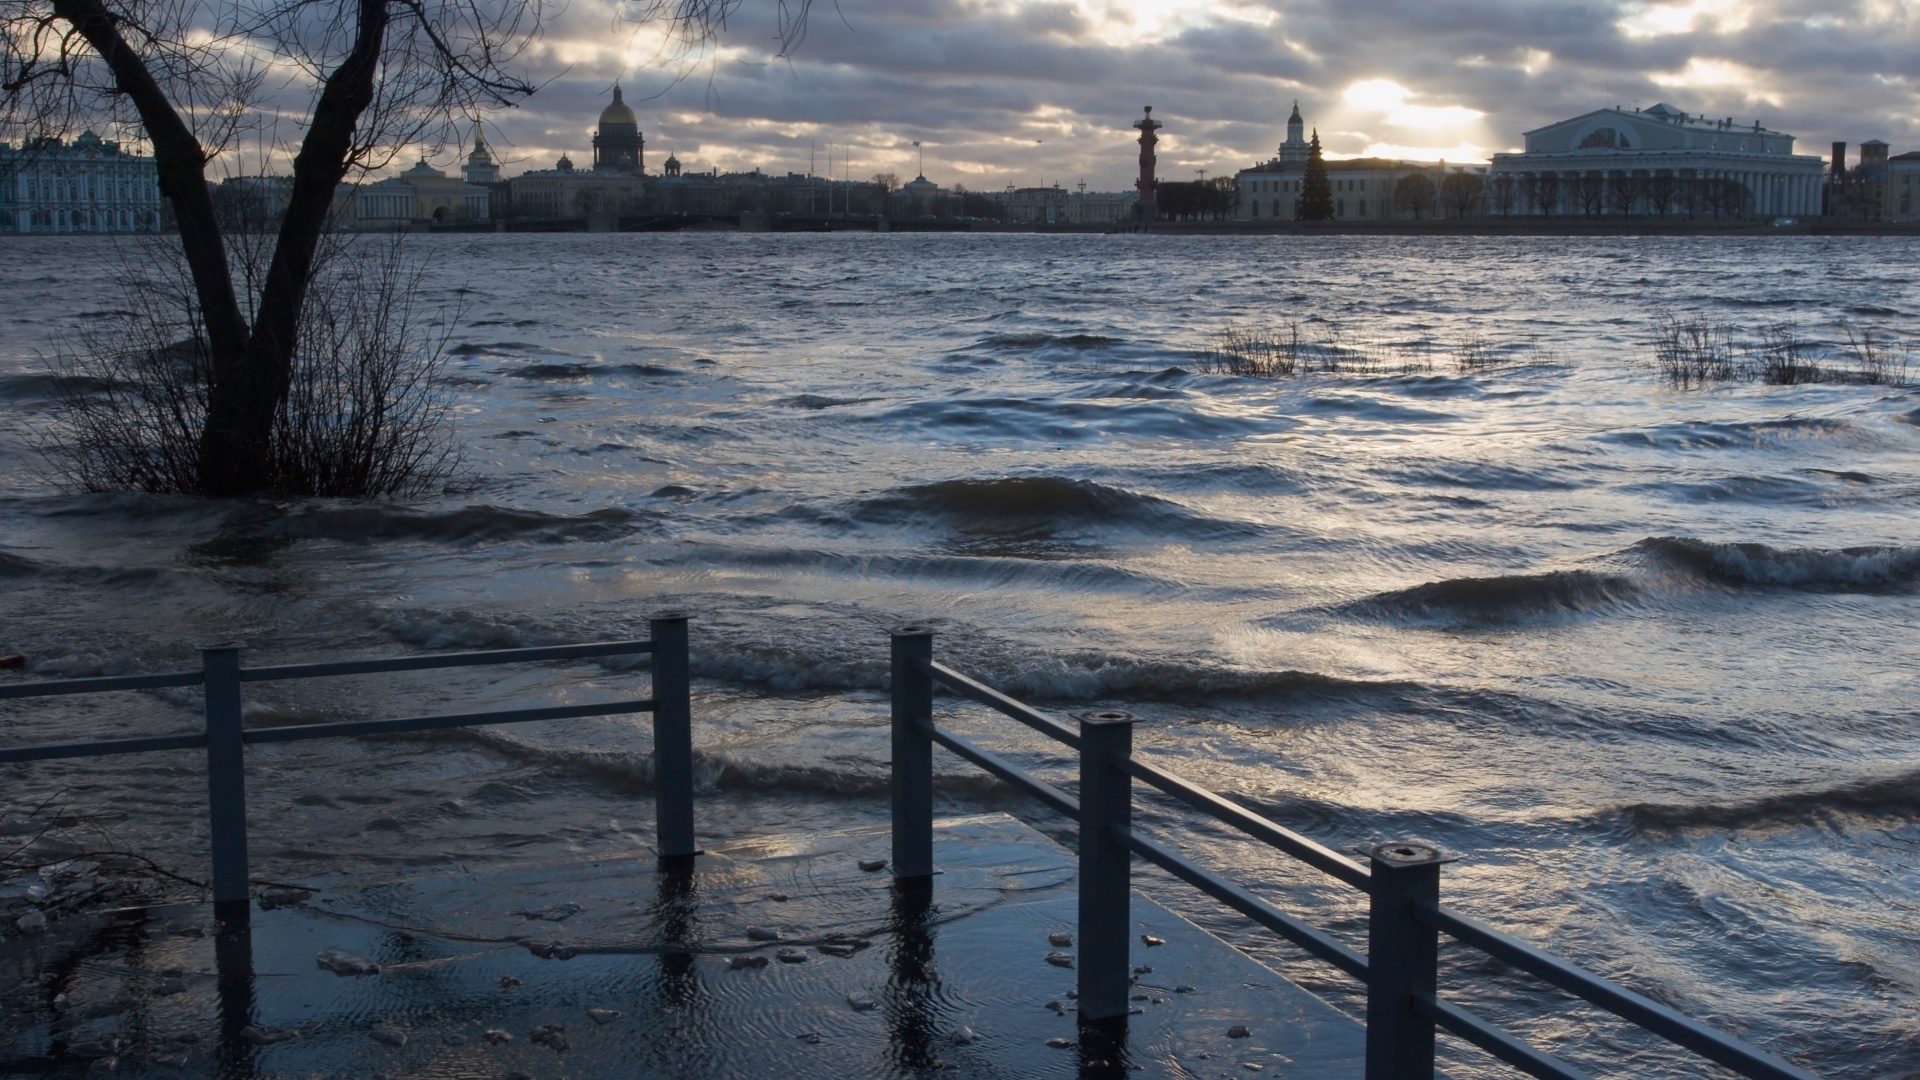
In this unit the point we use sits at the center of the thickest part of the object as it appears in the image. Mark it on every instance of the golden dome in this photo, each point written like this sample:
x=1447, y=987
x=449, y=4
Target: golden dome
x=617, y=114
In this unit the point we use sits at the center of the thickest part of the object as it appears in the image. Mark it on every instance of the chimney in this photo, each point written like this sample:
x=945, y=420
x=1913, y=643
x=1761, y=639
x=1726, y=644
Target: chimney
x=1840, y=160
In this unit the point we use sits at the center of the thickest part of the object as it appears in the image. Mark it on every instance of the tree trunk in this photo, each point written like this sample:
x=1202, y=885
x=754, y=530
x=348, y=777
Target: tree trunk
x=251, y=367
x=235, y=446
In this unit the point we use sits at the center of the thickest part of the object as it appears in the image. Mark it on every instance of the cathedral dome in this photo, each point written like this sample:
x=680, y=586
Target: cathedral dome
x=617, y=115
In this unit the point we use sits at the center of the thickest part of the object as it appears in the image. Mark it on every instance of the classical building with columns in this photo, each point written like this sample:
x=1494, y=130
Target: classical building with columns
x=91, y=185
x=1615, y=162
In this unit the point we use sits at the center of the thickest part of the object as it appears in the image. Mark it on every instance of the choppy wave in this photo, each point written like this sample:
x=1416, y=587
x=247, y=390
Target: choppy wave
x=1864, y=569
x=1388, y=412
x=1748, y=435
x=496, y=348
x=818, y=401
x=1502, y=598
x=461, y=629
x=782, y=664
x=1898, y=794
x=33, y=386
x=16, y=566
x=1040, y=505
x=1054, y=420
x=586, y=371
x=724, y=771
x=1058, y=341
x=1479, y=475
x=467, y=525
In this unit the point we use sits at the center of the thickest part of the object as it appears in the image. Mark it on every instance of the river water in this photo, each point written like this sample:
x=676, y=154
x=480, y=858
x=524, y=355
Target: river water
x=1644, y=657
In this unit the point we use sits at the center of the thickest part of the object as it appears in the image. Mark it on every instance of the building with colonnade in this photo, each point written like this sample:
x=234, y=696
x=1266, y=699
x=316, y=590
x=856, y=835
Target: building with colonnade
x=1642, y=162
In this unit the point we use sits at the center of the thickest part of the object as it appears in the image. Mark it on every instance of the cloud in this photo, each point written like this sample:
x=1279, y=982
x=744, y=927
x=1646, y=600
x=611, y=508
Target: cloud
x=1039, y=91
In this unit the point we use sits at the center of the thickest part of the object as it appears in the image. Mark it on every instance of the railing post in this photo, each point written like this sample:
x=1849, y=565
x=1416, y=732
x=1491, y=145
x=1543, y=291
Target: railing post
x=1106, y=864
x=912, y=774
x=672, y=737
x=226, y=780
x=1403, y=958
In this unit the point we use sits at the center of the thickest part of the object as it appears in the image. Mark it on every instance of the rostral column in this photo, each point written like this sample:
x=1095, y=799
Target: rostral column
x=1147, y=125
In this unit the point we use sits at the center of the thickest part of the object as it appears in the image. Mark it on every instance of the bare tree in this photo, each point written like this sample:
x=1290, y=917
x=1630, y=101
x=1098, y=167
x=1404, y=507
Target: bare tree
x=1462, y=192
x=1662, y=190
x=1502, y=192
x=1623, y=193
x=1542, y=191
x=887, y=182
x=1414, y=193
x=1591, y=189
x=1691, y=194
x=378, y=76
x=1725, y=197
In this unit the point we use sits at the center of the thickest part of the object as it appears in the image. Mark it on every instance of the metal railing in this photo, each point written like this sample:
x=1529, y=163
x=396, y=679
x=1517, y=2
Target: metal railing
x=1402, y=881
x=226, y=737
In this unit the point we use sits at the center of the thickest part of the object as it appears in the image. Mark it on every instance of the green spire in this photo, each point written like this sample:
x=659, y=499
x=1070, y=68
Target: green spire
x=1316, y=191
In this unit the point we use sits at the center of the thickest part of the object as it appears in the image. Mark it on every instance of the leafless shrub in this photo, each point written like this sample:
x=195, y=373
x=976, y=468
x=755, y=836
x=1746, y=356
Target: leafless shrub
x=1878, y=360
x=1253, y=350
x=1784, y=356
x=1691, y=352
x=1474, y=352
x=1287, y=351
x=364, y=413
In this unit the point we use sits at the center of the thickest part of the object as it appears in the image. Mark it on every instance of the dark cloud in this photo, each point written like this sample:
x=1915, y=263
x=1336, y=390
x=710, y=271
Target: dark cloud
x=1045, y=91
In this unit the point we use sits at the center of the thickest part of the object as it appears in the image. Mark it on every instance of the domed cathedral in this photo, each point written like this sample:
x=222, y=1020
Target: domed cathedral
x=619, y=147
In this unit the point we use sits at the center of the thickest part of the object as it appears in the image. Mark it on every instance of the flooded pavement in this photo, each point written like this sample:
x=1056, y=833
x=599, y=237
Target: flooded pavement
x=770, y=958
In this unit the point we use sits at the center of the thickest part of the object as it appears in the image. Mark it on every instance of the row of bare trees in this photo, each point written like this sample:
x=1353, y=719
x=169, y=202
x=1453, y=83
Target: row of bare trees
x=1596, y=194
x=1458, y=193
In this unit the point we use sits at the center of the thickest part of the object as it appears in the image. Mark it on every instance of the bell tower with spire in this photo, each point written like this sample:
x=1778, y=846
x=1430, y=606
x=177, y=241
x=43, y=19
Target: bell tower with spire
x=480, y=167
x=1296, y=148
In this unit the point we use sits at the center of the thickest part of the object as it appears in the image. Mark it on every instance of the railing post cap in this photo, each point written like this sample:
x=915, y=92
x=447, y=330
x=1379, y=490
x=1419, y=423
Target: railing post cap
x=669, y=616
x=1400, y=854
x=219, y=646
x=911, y=630
x=1107, y=716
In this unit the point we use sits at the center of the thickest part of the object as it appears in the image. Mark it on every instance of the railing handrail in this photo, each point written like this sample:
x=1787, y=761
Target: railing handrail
x=226, y=736
x=994, y=699
x=1634, y=1008
x=444, y=660
x=102, y=684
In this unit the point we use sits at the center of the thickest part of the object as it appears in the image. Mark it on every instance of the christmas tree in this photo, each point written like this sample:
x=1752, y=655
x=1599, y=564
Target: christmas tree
x=1316, y=191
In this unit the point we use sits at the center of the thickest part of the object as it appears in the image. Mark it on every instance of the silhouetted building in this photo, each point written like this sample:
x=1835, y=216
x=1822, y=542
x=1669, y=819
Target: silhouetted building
x=1363, y=188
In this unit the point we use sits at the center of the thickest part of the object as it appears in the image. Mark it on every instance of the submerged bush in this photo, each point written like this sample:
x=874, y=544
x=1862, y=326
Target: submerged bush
x=364, y=412
x=1691, y=352
x=1281, y=352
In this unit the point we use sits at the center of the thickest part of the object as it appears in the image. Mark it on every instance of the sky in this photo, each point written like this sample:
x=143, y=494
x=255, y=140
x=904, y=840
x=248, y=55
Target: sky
x=1037, y=92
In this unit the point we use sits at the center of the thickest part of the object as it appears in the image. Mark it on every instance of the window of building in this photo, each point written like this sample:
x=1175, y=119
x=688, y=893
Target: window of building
x=1363, y=208
x=1340, y=208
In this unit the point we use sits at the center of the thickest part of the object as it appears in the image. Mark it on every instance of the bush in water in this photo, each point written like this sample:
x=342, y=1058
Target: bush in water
x=364, y=413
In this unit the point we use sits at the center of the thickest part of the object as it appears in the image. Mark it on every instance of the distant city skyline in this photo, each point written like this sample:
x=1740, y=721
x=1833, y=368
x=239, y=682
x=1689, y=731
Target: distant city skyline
x=1034, y=92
